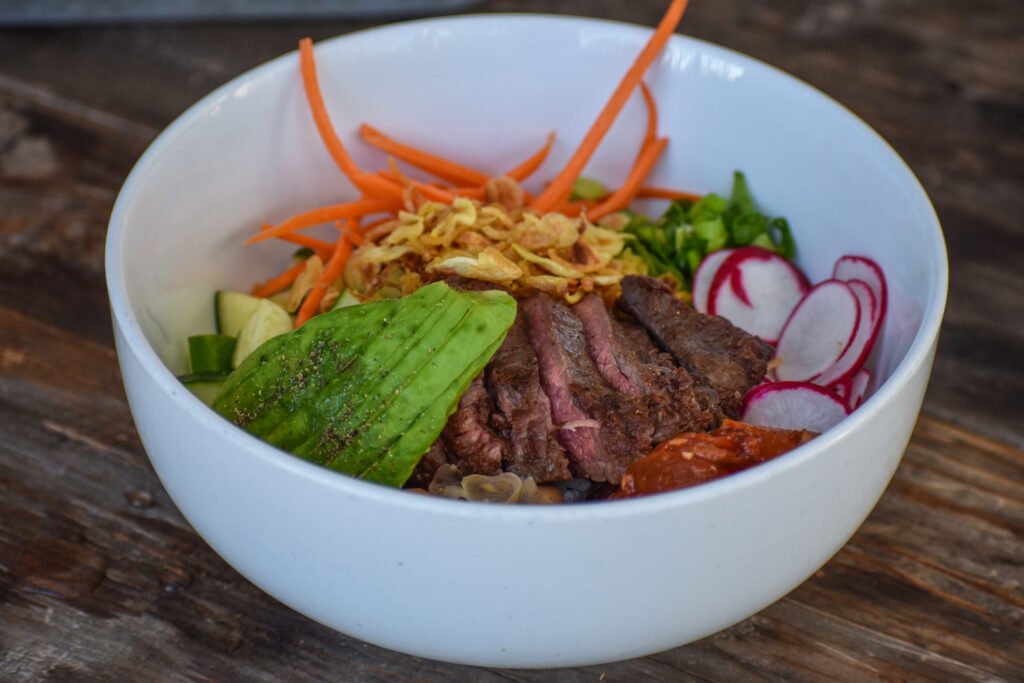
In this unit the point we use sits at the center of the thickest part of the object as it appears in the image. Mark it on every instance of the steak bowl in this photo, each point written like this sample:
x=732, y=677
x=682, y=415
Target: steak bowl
x=516, y=586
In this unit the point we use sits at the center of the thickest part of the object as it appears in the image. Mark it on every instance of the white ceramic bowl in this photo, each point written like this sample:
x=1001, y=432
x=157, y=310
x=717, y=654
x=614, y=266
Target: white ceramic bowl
x=496, y=585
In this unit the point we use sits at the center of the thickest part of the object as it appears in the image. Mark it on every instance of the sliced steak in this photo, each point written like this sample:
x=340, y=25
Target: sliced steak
x=710, y=348
x=472, y=444
x=705, y=411
x=603, y=429
x=629, y=361
x=607, y=349
x=524, y=412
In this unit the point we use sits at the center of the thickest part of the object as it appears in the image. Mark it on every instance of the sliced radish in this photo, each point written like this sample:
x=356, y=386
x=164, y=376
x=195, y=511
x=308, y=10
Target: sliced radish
x=818, y=332
x=863, y=340
x=853, y=267
x=858, y=387
x=705, y=275
x=756, y=290
x=793, y=405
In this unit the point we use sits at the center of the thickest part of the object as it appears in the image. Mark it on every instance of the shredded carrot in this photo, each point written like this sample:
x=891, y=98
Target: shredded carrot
x=326, y=214
x=432, y=192
x=439, y=166
x=468, y=192
x=525, y=169
x=641, y=166
x=665, y=193
x=652, y=114
x=279, y=283
x=621, y=198
x=353, y=230
x=320, y=246
x=307, y=65
x=332, y=271
x=560, y=188
x=575, y=208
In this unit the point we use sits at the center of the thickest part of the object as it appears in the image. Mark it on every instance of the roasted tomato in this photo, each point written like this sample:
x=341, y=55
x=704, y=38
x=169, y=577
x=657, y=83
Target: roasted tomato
x=696, y=457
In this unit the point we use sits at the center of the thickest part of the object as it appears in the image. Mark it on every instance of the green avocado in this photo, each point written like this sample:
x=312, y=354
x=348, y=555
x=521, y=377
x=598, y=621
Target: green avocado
x=366, y=390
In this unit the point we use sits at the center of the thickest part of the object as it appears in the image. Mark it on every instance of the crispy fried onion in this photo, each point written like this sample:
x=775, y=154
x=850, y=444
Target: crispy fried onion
x=506, y=487
x=499, y=242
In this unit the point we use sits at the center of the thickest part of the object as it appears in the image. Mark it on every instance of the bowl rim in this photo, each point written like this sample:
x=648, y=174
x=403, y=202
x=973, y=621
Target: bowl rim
x=137, y=345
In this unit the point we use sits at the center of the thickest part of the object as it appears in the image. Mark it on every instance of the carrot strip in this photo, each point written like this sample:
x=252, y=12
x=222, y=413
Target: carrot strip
x=439, y=166
x=332, y=271
x=621, y=198
x=665, y=193
x=325, y=214
x=652, y=114
x=280, y=282
x=468, y=192
x=321, y=246
x=354, y=232
x=432, y=192
x=560, y=188
x=307, y=66
x=525, y=169
x=574, y=208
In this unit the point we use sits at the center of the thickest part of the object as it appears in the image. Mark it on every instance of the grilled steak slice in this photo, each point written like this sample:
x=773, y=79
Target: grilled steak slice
x=612, y=359
x=629, y=361
x=524, y=412
x=603, y=429
x=711, y=348
x=471, y=442
x=705, y=411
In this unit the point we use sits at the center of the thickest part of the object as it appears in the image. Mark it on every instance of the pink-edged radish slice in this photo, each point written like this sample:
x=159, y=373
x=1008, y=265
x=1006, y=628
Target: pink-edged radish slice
x=858, y=387
x=793, y=405
x=705, y=275
x=842, y=390
x=853, y=267
x=756, y=290
x=818, y=332
x=863, y=341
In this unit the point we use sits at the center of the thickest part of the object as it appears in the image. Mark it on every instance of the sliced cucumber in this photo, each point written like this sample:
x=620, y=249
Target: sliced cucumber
x=346, y=299
x=210, y=353
x=204, y=385
x=232, y=310
x=268, y=320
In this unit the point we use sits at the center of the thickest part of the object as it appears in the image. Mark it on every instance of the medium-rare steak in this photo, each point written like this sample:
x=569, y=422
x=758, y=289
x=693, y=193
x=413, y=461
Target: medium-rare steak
x=711, y=348
x=471, y=442
x=524, y=412
x=603, y=429
x=629, y=361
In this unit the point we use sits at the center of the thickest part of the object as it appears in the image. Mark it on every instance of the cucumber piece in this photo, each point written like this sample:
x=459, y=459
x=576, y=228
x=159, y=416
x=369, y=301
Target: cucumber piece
x=346, y=299
x=204, y=386
x=210, y=353
x=231, y=311
x=267, y=321
x=366, y=390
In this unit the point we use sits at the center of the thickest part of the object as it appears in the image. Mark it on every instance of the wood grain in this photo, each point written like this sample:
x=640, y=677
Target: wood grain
x=102, y=579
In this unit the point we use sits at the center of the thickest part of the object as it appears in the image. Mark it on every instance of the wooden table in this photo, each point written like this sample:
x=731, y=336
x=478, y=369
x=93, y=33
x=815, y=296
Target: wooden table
x=102, y=579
